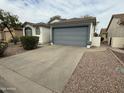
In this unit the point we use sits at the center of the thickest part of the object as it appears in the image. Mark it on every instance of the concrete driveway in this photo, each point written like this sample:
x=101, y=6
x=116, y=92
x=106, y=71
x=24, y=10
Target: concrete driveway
x=44, y=70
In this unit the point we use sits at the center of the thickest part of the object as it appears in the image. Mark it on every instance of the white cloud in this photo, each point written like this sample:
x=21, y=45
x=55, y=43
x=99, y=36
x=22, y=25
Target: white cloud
x=42, y=10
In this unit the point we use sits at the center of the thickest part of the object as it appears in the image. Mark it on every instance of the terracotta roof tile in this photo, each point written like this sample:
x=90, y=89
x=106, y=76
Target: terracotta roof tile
x=76, y=20
x=118, y=15
x=36, y=24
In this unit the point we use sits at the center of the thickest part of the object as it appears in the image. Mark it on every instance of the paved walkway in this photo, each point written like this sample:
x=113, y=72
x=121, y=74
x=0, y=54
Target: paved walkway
x=97, y=72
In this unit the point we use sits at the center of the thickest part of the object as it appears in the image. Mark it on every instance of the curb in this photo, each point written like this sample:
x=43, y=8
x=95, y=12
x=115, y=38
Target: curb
x=122, y=63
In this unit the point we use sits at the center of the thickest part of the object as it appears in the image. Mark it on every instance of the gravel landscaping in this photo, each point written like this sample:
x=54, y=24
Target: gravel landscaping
x=97, y=72
x=13, y=50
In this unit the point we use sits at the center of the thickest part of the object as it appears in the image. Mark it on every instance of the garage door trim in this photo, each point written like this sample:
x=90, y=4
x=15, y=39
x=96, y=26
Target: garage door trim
x=70, y=27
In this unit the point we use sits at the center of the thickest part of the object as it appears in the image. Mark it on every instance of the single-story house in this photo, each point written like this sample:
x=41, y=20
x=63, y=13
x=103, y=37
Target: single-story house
x=6, y=36
x=103, y=34
x=115, y=31
x=74, y=31
x=41, y=30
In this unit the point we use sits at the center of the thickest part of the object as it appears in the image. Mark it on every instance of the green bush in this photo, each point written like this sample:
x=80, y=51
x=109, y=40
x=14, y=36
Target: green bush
x=3, y=47
x=29, y=42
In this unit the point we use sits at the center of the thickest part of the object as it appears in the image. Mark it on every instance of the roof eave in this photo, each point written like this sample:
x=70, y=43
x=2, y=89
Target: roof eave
x=109, y=23
x=36, y=25
x=74, y=22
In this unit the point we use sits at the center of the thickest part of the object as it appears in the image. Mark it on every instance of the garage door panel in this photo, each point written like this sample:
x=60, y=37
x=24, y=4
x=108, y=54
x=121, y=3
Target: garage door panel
x=70, y=31
x=71, y=36
x=77, y=43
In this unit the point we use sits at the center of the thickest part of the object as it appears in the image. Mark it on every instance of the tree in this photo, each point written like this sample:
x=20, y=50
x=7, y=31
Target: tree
x=9, y=21
x=54, y=17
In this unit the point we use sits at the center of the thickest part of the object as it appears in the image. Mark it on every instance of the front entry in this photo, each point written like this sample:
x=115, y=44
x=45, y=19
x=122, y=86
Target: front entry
x=28, y=31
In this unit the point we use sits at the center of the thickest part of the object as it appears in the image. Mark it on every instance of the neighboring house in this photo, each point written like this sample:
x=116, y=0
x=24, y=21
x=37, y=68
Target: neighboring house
x=6, y=36
x=41, y=30
x=74, y=31
x=103, y=34
x=116, y=31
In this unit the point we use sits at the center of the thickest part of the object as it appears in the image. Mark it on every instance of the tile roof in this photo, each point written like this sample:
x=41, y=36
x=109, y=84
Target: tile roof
x=18, y=28
x=76, y=20
x=37, y=24
x=65, y=21
x=118, y=15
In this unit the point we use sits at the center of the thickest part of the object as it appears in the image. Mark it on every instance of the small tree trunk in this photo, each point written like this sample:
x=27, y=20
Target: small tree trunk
x=2, y=35
x=12, y=35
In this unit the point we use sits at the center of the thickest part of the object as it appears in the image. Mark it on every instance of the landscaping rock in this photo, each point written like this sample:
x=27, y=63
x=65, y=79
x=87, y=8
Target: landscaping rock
x=96, y=73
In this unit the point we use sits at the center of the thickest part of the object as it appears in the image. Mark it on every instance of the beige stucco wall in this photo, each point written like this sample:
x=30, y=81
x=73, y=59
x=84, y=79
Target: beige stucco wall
x=115, y=30
x=91, y=31
x=117, y=42
x=46, y=34
x=96, y=41
x=18, y=33
x=6, y=36
x=40, y=36
x=51, y=34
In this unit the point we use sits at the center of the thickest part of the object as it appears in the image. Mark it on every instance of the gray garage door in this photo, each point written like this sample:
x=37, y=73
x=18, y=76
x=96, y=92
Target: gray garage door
x=77, y=36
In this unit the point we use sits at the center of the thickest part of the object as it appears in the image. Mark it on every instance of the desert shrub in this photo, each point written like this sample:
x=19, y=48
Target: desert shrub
x=3, y=47
x=29, y=42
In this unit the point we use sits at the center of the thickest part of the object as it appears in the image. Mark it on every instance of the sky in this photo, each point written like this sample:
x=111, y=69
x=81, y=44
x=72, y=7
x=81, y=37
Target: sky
x=41, y=10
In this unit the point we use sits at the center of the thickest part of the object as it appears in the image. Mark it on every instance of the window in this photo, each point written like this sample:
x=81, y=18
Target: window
x=28, y=31
x=37, y=31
